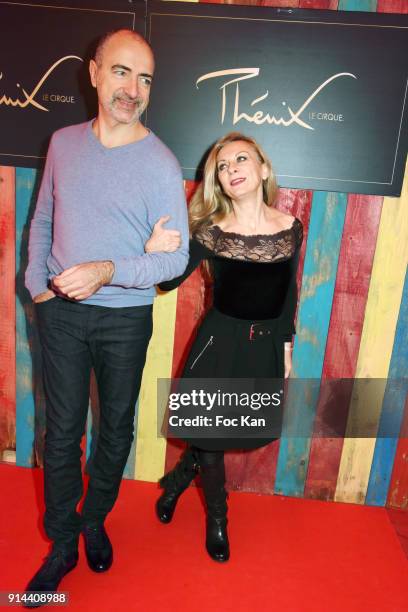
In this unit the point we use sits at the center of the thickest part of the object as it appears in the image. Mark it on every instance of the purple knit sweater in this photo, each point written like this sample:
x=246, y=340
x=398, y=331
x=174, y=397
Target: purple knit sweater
x=97, y=203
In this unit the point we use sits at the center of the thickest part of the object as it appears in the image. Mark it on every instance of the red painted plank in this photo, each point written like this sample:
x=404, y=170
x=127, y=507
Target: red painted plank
x=392, y=6
x=398, y=491
x=306, y=4
x=346, y=324
x=271, y=3
x=399, y=520
x=7, y=310
x=190, y=309
x=319, y=4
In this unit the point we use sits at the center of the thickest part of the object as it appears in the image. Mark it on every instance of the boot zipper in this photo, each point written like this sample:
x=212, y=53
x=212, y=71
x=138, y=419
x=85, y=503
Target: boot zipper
x=199, y=355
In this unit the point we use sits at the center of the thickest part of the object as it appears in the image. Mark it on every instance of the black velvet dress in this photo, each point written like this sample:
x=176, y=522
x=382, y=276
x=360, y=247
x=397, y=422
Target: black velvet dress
x=254, y=304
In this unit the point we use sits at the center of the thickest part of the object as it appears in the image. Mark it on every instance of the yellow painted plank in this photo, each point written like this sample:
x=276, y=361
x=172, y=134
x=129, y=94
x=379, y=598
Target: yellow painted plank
x=150, y=449
x=383, y=302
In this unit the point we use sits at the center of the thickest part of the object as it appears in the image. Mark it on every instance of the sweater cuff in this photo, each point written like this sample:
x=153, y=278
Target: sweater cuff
x=123, y=275
x=37, y=286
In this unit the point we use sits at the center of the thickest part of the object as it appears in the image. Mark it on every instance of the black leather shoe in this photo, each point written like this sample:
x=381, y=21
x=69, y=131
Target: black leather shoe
x=174, y=483
x=216, y=542
x=50, y=574
x=98, y=548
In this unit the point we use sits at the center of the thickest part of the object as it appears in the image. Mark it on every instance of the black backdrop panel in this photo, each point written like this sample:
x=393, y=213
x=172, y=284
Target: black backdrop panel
x=44, y=56
x=323, y=92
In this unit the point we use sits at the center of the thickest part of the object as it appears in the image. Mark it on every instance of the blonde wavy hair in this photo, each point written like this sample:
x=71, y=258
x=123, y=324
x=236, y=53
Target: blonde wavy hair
x=209, y=203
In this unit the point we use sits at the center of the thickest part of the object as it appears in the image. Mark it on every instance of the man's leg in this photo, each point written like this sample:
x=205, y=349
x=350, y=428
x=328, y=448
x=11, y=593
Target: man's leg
x=66, y=373
x=119, y=344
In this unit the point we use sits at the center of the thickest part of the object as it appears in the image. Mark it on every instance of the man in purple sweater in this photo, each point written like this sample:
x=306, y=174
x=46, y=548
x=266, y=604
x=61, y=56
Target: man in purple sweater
x=108, y=185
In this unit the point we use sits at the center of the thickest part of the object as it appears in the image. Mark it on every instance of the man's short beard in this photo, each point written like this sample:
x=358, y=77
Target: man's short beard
x=139, y=103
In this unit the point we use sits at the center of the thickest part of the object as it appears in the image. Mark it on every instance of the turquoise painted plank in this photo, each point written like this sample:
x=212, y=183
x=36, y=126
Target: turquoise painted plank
x=319, y=276
x=369, y=6
x=392, y=411
x=92, y=424
x=90, y=435
x=28, y=378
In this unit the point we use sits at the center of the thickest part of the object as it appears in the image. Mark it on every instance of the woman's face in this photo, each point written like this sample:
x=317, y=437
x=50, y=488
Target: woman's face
x=240, y=172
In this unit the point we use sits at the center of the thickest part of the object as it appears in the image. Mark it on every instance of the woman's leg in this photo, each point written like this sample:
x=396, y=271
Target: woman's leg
x=174, y=483
x=212, y=470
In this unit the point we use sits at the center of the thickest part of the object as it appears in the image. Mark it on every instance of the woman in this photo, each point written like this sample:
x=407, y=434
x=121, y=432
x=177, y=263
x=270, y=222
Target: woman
x=252, y=250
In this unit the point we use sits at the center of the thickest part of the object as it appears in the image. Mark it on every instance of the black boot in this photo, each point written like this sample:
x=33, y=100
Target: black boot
x=174, y=483
x=212, y=470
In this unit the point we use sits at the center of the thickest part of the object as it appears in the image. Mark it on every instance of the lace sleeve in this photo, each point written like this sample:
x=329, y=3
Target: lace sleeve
x=208, y=236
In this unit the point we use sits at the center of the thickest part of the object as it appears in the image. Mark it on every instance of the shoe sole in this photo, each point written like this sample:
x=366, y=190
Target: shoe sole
x=99, y=571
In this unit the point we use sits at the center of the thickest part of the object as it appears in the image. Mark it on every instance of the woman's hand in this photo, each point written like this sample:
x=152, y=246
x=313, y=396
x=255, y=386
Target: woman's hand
x=288, y=358
x=162, y=239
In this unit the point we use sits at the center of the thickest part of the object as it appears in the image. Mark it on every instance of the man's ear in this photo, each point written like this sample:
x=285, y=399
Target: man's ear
x=93, y=70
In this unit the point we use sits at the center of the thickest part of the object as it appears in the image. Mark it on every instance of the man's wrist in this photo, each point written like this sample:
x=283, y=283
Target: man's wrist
x=109, y=267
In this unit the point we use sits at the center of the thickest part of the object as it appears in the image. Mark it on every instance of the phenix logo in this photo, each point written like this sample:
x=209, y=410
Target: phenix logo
x=30, y=97
x=259, y=117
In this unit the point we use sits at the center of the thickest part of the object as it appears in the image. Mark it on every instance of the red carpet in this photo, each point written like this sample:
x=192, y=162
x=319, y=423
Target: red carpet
x=287, y=554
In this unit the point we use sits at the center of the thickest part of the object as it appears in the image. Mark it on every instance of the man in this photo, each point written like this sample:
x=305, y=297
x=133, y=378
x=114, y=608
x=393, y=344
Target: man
x=106, y=184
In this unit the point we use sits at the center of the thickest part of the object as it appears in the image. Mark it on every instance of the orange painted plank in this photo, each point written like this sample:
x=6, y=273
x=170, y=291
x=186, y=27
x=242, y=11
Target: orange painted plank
x=7, y=310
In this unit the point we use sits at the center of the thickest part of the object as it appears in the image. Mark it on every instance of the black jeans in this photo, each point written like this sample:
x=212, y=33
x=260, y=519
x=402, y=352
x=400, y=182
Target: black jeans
x=76, y=338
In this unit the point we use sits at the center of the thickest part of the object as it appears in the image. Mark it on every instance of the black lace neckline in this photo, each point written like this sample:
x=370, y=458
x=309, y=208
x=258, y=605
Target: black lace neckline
x=288, y=229
x=262, y=248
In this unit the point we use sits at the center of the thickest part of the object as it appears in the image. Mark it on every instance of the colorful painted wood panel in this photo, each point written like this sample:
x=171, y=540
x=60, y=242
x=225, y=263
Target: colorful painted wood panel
x=343, y=339
x=323, y=245
x=392, y=412
x=28, y=378
x=7, y=310
x=377, y=340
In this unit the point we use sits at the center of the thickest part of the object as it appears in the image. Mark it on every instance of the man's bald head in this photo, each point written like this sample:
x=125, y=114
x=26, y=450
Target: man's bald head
x=105, y=38
x=122, y=73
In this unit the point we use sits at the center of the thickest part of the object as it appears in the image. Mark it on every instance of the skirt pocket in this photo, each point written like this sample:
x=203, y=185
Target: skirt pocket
x=201, y=353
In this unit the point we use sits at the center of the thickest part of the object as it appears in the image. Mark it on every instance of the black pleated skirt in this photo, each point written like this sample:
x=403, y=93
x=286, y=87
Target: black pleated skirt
x=229, y=348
